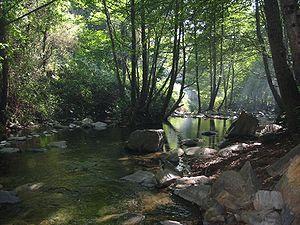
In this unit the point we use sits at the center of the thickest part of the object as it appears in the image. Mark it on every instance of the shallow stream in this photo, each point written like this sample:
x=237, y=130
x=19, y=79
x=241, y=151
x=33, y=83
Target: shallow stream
x=81, y=184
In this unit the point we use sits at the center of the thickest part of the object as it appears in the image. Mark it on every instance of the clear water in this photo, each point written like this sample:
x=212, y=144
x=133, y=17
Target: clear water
x=81, y=184
x=193, y=127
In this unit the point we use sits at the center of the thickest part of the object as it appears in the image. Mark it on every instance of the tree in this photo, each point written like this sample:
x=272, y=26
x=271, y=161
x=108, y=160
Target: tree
x=287, y=85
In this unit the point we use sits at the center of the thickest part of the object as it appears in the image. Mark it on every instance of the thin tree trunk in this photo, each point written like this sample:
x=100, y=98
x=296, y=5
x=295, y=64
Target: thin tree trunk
x=197, y=70
x=113, y=45
x=263, y=50
x=287, y=86
x=232, y=86
x=174, y=69
x=4, y=79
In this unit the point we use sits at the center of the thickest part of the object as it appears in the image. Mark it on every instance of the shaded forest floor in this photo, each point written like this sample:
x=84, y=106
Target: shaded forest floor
x=260, y=156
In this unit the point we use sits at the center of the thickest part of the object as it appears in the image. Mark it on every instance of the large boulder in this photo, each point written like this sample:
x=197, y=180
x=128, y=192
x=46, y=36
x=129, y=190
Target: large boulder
x=199, y=195
x=268, y=200
x=289, y=186
x=280, y=166
x=232, y=191
x=232, y=150
x=146, y=141
x=245, y=126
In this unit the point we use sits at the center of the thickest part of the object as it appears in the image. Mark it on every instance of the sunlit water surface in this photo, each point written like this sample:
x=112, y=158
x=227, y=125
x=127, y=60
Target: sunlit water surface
x=81, y=184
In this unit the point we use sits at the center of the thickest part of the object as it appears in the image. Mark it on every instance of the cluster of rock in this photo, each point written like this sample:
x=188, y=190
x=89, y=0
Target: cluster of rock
x=235, y=196
x=10, y=145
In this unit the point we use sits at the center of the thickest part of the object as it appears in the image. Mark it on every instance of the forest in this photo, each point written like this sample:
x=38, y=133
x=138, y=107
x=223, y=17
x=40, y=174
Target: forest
x=150, y=112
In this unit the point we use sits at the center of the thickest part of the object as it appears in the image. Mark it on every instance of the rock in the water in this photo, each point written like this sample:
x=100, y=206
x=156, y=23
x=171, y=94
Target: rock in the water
x=58, y=144
x=133, y=219
x=249, y=176
x=72, y=126
x=232, y=150
x=143, y=178
x=7, y=197
x=196, y=194
x=170, y=222
x=190, y=142
x=87, y=123
x=209, y=133
x=17, y=138
x=245, y=126
x=264, y=200
x=9, y=150
x=146, y=141
x=232, y=191
x=200, y=152
x=266, y=217
x=99, y=126
x=165, y=177
x=29, y=187
x=289, y=186
x=279, y=167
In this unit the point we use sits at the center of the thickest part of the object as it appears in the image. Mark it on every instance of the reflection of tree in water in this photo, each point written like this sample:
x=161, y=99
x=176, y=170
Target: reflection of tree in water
x=199, y=128
x=212, y=139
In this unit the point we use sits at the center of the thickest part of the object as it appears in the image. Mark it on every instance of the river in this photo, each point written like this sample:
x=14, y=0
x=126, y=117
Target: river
x=81, y=184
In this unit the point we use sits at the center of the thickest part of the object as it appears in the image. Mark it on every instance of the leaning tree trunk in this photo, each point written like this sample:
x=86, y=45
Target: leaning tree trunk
x=263, y=50
x=291, y=16
x=287, y=86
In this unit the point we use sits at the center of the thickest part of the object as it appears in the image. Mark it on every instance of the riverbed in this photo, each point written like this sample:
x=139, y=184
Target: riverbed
x=81, y=184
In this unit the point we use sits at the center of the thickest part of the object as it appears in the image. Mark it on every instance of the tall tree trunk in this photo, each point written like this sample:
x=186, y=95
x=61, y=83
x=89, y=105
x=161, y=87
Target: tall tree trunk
x=287, y=86
x=145, y=83
x=4, y=79
x=134, y=88
x=113, y=45
x=291, y=15
x=264, y=55
x=232, y=86
x=174, y=70
x=197, y=70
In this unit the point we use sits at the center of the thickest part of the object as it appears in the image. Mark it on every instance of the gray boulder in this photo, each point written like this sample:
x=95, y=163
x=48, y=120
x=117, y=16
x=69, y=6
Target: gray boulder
x=232, y=191
x=264, y=200
x=245, y=126
x=17, y=138
x=279, y=167
x=196, y=194
x=289, y=186
x=144, y=178
x=7, y=197
x=9, y=150
x=87, y=123
x=146, y=141
x=99, y=126
x=265, y=217
x=249, y=176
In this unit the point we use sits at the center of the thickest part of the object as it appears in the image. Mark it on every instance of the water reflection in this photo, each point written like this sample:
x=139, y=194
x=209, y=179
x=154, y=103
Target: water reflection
x=193, y=128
